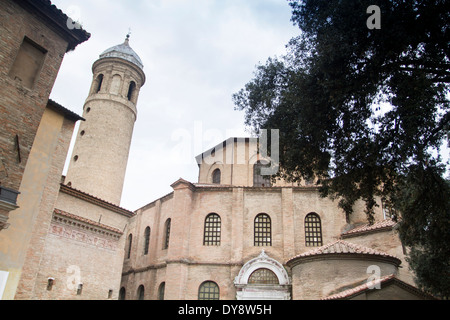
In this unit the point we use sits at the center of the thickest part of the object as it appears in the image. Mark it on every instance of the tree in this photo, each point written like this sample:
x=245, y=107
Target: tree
x=365, y=111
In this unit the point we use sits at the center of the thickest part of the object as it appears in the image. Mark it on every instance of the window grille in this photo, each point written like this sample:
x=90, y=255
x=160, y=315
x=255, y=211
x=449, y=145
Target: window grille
x=313, y=230
x=212, y=230
x=263, y=231
x=208, y=291
x=263, y=276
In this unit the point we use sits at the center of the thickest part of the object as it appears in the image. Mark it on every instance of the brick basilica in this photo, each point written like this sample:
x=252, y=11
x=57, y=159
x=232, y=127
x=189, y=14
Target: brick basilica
x=232, y=235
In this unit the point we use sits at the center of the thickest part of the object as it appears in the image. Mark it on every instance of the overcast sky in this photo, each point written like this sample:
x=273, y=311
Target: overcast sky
x=196, y=54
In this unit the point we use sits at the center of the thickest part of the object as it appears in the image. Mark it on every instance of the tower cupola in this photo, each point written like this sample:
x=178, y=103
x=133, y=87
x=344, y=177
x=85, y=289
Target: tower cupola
x=123, y=51
x=101, y=150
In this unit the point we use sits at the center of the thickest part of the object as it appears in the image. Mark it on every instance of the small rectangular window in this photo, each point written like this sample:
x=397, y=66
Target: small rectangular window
x=28, y=63
x=50, y=283
x=80, y=289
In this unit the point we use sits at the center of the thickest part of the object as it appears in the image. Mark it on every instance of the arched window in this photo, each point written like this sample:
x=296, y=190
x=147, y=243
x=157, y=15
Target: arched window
x=140, y=292
x=98, y=83
x=146, y=240
x=263, y=230
x=130, y=242
x=260, y=180
x=313, y=230
x=208, y=290
x=122, y=293
x=167, y=234
x=212, y=230
x=161, y=291
x=263, y=276
x=216, y=176
x=131, y=91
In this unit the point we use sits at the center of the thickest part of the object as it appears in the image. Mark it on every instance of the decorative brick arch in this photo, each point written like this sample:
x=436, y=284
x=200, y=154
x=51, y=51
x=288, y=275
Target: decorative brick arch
x=246, y=291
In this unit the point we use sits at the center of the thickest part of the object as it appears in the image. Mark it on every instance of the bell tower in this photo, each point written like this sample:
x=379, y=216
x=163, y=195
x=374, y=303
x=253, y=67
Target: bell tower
x=100, y=154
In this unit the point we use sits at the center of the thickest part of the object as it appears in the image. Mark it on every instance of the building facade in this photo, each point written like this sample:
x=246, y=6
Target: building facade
x=35, y=132
x=33, y=41
x=237, y=235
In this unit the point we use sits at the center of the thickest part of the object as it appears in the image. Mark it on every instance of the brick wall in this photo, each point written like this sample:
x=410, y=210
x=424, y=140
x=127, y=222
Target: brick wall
x=21, y=108
x=38, y=214
x=188, y=263
x=81, y=253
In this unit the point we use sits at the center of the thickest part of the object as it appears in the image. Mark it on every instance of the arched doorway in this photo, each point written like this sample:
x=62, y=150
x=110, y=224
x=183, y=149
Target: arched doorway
x=263, y=278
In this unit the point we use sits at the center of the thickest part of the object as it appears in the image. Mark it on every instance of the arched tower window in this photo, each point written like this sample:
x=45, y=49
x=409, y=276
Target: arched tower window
x=167, y=234
x=263, y=230
x=140, y=292
x=130, y=242
x=212, y=230
x=161, y=291
x=313, y=230
x=98, y=83
x=208, y=290
x=216, y=176
x=146, y=240
x=122, y=293
x=260, y=180
x=131, y=91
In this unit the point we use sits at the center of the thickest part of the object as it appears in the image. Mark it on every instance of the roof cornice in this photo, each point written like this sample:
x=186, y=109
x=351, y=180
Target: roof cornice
x=343, y=250
x=380, y=226
x=57, y=20
x=94, y=200
x=96, y=227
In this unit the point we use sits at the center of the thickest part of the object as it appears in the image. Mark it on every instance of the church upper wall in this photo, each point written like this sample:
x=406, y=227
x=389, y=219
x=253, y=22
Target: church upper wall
x=233, y=162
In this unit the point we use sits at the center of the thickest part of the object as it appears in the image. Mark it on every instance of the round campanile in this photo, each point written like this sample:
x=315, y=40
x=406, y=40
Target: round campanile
x=101, y=150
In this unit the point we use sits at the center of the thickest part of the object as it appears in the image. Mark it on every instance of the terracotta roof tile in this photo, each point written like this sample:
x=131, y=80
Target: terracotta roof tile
x=359, y=289
x=343, y=247
x=379, y=283
x=387, y=224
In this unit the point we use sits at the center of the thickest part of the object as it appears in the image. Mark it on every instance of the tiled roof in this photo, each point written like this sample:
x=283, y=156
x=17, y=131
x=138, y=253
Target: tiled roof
x=66, y=112
x=379, y=283
x=359, y=289
x=97, y=201
x=56, y=19
x=383, y=225
x=342, y=247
